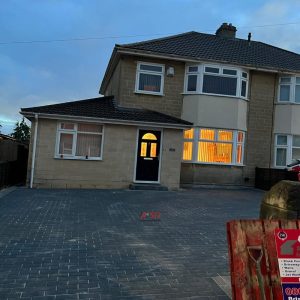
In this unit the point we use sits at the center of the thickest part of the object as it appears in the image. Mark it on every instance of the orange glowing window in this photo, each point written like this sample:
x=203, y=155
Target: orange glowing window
x=143, y=149
x=149, y=136
x=207, y=134
x=187, y=151
x=239, y=154
x=240, y=137
x=189, y=134
x=206, y=151
x=214, y=152
x=224, y=135
x=153, y=150
x=216, y=146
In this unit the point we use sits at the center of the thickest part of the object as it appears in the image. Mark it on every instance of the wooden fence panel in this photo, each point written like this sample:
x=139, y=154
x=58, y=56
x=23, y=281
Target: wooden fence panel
x=271, y=258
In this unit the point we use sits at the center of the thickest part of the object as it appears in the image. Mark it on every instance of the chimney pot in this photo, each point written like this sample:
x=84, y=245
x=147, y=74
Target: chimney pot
x=226, y=31
x=249, y=37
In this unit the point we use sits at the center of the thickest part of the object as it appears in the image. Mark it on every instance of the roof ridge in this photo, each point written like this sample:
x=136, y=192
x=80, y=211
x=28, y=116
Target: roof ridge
x=157, y=39
x=71, y=102
x=178, y=35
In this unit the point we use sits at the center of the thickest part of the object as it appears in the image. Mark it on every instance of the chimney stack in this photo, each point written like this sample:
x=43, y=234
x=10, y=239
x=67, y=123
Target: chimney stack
x=226, y=31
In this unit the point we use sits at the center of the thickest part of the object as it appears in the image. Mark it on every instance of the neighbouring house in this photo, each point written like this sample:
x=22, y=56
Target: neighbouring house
x=189, y=109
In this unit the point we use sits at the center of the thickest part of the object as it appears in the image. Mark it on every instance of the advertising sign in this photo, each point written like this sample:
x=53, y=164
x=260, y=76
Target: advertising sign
x=288, y=253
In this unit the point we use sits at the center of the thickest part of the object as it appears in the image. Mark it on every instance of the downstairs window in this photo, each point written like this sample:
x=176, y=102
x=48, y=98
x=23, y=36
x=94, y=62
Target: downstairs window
x=287, y=149
x=213, y=146
x=79, y=140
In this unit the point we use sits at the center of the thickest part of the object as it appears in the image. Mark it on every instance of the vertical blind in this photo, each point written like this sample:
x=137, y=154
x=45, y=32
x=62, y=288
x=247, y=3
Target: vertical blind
x=149, y=82
x=214, y=146
x=80, y=140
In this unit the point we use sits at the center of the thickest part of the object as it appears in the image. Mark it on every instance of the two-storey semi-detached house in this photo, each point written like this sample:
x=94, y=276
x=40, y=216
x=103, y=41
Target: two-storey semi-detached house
x=192, y=109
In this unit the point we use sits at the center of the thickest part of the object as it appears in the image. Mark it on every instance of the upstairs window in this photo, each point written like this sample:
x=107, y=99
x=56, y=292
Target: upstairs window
x=192, y=78
x=220, y=81
x=289, y=89
x=79, y=140
x=244, y=84
x=216, y=80
x=149, y=78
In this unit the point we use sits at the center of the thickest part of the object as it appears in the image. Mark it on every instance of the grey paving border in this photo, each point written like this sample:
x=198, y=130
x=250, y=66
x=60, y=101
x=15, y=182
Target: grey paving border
x=224, y=282
x=217, y=187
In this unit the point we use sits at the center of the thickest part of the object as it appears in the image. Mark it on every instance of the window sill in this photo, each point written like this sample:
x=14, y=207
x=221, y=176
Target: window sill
x=149, y=93
x=287, y=103
x=212, y=164
x=217, y=95
x=77, y=158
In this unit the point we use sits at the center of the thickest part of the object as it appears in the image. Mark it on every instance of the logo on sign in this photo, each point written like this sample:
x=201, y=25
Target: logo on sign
x=282, y=235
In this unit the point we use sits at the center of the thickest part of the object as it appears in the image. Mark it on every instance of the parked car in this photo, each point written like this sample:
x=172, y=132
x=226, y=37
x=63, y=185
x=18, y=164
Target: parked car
x=295, y=166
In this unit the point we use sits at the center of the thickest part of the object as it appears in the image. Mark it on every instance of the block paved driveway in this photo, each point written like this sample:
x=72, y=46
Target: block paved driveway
x=90, y=244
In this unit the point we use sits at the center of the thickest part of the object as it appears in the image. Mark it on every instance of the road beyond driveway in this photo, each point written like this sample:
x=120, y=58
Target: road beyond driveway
x=90, y=244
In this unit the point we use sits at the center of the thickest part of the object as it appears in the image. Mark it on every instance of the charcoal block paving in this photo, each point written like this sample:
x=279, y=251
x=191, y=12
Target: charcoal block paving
x=91, y=244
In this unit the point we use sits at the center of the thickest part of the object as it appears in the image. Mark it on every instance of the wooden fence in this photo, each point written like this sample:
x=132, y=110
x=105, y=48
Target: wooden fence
x=265, y=178
x=14, y=172
x=244, y=278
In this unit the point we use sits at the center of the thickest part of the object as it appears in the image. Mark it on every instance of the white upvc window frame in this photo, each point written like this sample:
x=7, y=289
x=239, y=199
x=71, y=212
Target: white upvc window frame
x=202, y=72
x=289, y=149
x=292, y=84
x=74, y=132
x=196, y=139
x=246, y=80
x=161, y=74
x=195, y=73
x=242, y=144
x=189, y=140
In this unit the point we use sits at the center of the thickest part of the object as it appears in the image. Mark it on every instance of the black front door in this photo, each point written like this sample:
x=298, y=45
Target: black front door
x=147, y=162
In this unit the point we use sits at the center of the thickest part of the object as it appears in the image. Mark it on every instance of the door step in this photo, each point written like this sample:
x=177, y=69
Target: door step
x=147, y=187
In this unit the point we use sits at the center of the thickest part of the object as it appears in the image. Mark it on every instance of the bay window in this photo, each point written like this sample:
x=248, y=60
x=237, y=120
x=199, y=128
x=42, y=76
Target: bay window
x=213, y=146
x=149, y=78
x=289, y=89
x=79, y=140
x=287, y=149
x=216, y=80
x=220, y=81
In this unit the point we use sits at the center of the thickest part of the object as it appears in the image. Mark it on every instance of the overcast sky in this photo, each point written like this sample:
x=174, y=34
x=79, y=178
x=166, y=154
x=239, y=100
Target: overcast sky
x=40, y=73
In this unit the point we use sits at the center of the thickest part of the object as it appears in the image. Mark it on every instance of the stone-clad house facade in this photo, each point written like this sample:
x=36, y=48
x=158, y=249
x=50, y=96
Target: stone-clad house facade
x=187, y=109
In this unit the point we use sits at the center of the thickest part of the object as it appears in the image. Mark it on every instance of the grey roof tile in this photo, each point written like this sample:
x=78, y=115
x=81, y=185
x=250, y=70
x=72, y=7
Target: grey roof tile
x=104, y=108
x=203, y=46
